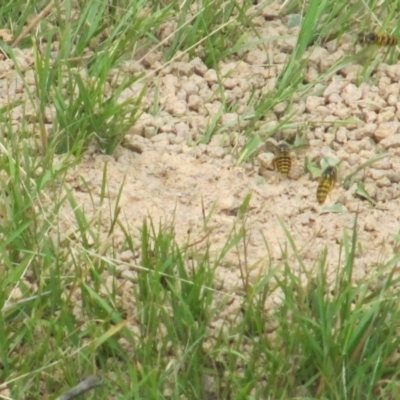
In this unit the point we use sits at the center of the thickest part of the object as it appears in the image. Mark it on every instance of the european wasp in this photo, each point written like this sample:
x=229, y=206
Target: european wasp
x=282, y=161
x=326, y=183
x=381, y=39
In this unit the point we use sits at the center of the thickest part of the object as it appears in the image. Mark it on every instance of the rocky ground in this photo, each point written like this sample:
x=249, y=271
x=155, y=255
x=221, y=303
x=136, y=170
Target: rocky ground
x=166, y=177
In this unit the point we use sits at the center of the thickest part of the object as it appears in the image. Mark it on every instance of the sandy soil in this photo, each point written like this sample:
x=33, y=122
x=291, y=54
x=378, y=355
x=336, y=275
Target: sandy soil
x=166, y=177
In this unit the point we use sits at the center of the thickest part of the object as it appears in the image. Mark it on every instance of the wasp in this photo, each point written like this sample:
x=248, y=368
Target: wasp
x=282, y=161
x=326, y=183
x=381, y=39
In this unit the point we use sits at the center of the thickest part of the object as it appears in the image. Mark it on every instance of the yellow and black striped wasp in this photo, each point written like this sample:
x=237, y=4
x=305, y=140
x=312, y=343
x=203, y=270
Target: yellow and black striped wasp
x=283, y=151
x=378, y=38
x=326, y=183
x=283, y=161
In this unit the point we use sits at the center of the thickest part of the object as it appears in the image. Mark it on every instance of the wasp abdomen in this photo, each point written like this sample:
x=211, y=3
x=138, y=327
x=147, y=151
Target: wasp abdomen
x=326, y=183
x=381, y=39
x=282, y=160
